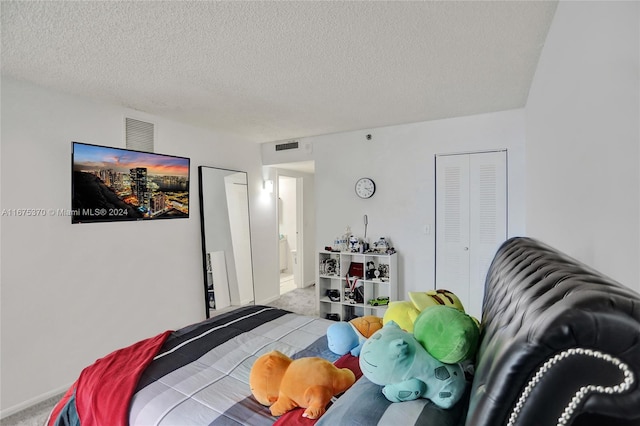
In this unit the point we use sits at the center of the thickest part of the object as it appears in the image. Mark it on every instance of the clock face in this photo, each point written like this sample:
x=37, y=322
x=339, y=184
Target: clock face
x=365, y=187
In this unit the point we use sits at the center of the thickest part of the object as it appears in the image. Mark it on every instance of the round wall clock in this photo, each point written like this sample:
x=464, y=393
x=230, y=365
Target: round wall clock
x=365, y=188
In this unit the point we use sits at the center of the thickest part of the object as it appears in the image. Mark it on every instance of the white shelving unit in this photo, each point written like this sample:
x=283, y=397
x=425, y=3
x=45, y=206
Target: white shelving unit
x=333, y=268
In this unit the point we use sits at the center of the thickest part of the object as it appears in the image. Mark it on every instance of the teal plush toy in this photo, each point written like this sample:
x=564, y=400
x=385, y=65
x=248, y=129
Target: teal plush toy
x=394, y=359
x=447, y=333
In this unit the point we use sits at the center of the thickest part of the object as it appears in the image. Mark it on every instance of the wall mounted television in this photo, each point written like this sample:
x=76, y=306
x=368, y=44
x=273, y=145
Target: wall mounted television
x=115, y=184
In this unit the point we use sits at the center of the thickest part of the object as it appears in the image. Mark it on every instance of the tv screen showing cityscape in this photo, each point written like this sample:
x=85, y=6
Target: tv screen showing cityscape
x=114, y=184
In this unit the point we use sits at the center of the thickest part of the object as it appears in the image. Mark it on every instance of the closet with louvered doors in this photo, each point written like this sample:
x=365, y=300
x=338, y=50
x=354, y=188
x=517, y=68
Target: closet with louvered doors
x=471, y=222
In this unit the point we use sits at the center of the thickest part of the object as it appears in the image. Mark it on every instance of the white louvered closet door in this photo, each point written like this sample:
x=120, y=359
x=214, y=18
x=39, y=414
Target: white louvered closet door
x=471, y=222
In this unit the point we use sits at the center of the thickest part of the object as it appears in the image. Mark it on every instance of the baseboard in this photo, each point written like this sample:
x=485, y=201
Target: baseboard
x=267, y=301
x=276, y=297
x=33, y=401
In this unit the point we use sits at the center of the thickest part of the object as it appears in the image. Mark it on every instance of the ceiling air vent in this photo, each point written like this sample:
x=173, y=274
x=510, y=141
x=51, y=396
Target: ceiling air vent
x=288, y=145
x=139, y=135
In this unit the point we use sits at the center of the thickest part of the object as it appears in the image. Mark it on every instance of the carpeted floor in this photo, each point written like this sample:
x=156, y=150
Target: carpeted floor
x=301, y=301
x=32, y=416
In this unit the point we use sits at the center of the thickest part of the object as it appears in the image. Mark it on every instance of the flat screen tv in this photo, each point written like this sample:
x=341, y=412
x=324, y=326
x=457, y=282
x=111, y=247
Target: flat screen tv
x=115, y=184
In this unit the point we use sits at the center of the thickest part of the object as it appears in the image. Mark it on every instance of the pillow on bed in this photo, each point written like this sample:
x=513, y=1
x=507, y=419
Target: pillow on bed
x=294, y=417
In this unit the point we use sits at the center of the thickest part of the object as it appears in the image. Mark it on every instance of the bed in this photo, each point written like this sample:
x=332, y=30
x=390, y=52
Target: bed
x=199, y=375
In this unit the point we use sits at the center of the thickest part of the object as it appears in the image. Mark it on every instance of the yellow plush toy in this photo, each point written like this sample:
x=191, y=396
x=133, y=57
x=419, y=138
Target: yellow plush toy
x=284, y=384
x=405, y=313
x=423, y=299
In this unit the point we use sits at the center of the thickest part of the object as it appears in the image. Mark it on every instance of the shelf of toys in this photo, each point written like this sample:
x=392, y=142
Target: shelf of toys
x=352, y=282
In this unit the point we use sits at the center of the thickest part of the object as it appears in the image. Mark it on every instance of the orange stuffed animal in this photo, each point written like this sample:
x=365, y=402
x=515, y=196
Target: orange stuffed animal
x=284, y=384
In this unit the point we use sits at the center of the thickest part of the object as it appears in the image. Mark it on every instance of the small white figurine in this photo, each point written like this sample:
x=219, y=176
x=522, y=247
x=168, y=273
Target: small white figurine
x=381, y=245
x=354, y=244
x=344, y=241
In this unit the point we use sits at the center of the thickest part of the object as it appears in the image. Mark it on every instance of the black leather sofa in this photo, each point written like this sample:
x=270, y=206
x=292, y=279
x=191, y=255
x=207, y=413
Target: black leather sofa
x=560, y=343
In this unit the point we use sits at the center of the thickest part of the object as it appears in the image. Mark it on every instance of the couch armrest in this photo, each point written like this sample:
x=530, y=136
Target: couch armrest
x=559, y=341
x=600, y=374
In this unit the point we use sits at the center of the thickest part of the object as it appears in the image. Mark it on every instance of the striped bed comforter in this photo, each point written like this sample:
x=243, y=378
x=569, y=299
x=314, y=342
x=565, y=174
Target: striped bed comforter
x=201, y=375
x=198, y=375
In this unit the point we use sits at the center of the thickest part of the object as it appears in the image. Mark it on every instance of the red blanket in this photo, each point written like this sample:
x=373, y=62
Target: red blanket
x=104, y=390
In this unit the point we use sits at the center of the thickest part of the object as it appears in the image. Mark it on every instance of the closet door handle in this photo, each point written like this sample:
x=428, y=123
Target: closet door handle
x=466, y=249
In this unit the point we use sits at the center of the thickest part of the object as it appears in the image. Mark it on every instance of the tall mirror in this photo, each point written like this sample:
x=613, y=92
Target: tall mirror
x=226, y=238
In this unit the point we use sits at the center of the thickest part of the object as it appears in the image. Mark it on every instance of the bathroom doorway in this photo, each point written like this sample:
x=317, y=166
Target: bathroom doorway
x=289, y=218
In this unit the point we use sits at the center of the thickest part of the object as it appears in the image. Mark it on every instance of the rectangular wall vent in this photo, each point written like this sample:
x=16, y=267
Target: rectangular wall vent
x=139, y=135
x=288, y=145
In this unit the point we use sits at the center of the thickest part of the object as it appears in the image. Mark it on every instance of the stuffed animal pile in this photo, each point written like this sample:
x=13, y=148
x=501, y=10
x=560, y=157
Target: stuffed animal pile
x=419, y=351
x=416, y=351
x=405, y=312
x=284, y=384
x=394, y=359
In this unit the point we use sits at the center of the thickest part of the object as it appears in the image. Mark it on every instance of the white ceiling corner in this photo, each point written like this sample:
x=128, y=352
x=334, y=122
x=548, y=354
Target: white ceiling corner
x=271, y=70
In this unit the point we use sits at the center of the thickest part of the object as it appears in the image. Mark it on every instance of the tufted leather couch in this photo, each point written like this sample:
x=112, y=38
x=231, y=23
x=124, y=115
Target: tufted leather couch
x=560, y=343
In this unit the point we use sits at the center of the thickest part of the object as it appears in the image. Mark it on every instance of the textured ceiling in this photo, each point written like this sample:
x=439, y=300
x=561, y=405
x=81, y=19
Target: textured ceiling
x=271, y=71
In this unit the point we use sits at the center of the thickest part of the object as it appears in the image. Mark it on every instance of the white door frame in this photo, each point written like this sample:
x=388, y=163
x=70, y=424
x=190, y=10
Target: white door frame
x=299, y=267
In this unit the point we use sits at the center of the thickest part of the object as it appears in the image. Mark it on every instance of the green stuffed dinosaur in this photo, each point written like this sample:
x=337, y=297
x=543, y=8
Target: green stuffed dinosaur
x=394, y=359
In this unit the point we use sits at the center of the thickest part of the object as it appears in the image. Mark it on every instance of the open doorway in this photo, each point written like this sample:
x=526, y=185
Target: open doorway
x=294, y=231
x=289, y=232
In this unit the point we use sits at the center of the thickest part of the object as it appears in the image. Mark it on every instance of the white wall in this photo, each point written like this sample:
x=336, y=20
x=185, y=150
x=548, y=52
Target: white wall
x=583, y=138
x=73, y=293
x=400, y=159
